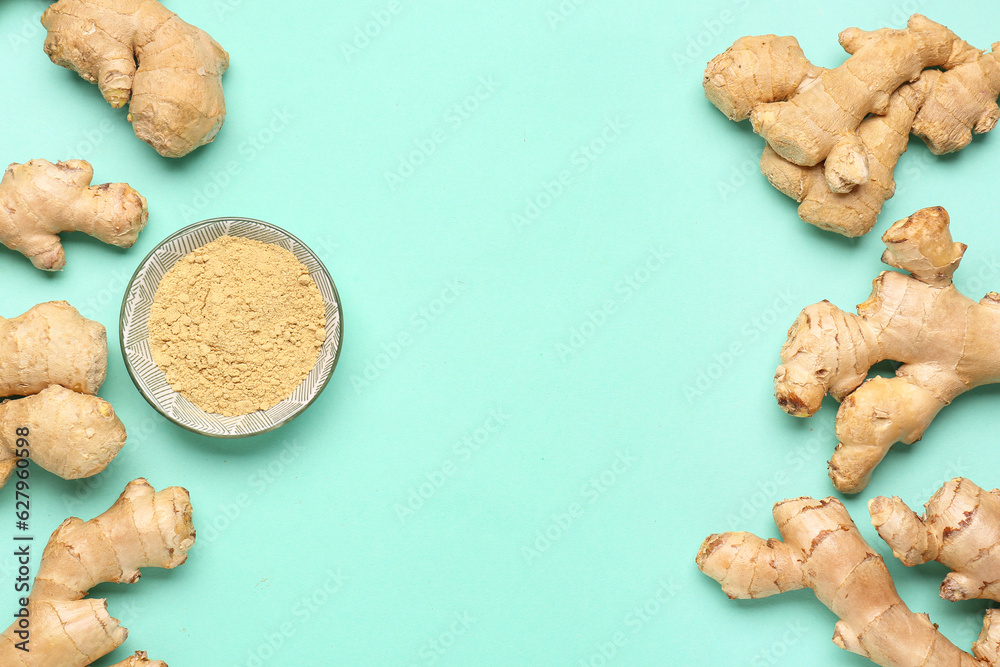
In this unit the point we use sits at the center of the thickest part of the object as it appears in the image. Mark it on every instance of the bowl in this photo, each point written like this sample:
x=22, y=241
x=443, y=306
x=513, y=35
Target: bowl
x=151, y=381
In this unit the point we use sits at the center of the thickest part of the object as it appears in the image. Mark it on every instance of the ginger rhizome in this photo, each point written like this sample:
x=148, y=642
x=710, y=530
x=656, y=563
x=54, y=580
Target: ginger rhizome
x=71, y=435
x=52, y=344
x=140, y=659
x=139, y=52
x=144, y=528
x=960, y=529
x=38, y=200
x=946, y=343
x=823, y=550
x=57, y=360
x=834, y=135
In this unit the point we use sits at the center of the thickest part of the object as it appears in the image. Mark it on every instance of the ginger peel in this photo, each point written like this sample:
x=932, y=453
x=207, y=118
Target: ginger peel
x=944, y=340
x=139, y=52
x=71, y=435
x=140, y=659
x=144, y=528
x=834, y=135
x=52, y=343
x=38, y=200
x=821, y=549
x=960, y=529
x=56, y=359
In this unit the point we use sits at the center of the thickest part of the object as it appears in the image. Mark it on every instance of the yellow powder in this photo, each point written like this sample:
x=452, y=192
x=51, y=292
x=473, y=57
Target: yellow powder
x=237, y=325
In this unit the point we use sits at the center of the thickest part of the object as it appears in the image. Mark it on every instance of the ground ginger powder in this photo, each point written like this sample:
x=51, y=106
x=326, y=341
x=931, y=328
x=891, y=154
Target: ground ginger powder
x=237, y=325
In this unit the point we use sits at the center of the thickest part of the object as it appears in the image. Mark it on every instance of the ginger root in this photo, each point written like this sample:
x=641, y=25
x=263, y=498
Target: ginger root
x=946, y=342
x=850, y=210
x=823, y=550
x=38, y=200
x=57, y=359
x=144, y=528
x=140, y=659
x=176, y=95
x=71, y=435
x=960, y=529
x=52, y=344
x=834, y=135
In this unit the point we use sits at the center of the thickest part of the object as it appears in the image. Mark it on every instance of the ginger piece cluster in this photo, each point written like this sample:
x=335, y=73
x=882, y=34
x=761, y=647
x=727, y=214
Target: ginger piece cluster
x=144, y=528
x=946, y=342
x=834, y=135
x=56, y=359
x=821, y=549
x=140, y=53
x=833, y=138
x=960, y=529
x=38, y=200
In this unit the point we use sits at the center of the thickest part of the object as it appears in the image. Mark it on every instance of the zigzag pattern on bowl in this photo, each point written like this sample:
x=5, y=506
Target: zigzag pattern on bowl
x=135, y=330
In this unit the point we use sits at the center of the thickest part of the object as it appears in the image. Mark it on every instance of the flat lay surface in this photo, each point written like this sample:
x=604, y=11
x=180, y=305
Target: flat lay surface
x=565, y=285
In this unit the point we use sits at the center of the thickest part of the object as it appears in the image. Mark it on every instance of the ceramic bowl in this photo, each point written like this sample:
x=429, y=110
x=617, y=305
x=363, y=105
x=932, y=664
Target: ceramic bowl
x=150, y=380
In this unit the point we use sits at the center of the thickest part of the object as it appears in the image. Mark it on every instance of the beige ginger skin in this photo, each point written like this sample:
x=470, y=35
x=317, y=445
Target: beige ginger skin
x=946, y=342
x=834, y=135
x=52, y=344
x=38, y=200
x=56, y=359
x=809, y=125
x=851, y=210
x=140, y=659
x=959, y=529
x=139, y=50
x=71, y=435
x=144, y=528
x=821, y=549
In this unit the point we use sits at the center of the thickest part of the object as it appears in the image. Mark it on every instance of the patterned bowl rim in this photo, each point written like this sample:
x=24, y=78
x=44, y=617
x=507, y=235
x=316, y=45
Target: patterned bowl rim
x=124, y=316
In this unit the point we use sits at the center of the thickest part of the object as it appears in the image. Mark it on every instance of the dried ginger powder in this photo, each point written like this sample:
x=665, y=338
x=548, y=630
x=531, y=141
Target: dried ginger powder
x=237, y=325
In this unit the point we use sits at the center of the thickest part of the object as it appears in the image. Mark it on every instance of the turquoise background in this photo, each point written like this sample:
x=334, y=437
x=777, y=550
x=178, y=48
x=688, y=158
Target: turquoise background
x=560, y=334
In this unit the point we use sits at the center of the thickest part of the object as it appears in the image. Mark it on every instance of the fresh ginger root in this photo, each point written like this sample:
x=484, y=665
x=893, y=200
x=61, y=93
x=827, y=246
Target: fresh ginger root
x=38, y=200
x=960, y=529
x=946, y=342
x=834, y=135
x=808, y=126
x=71, y=435
x=52, y=344
x=823, y=550
x=850, y=210
x=176, y=95
x=144, y=528
x=140, y=659
x=57, y=359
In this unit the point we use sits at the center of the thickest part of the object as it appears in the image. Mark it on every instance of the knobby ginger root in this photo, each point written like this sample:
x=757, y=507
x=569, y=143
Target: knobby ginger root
x=52, y=344
x=851, y=212
x=946, y=342
x=959, y=529
x=140, y=659
x=144, y=528
x=38, y=200
x=806, y=127
x=834, y=135
x=71, y=435
x=57, y=359
x=176, y=95
x=823, y=550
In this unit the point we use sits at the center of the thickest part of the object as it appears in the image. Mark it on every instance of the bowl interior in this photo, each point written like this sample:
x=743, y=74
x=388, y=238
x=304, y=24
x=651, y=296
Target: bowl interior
x=151, y=381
